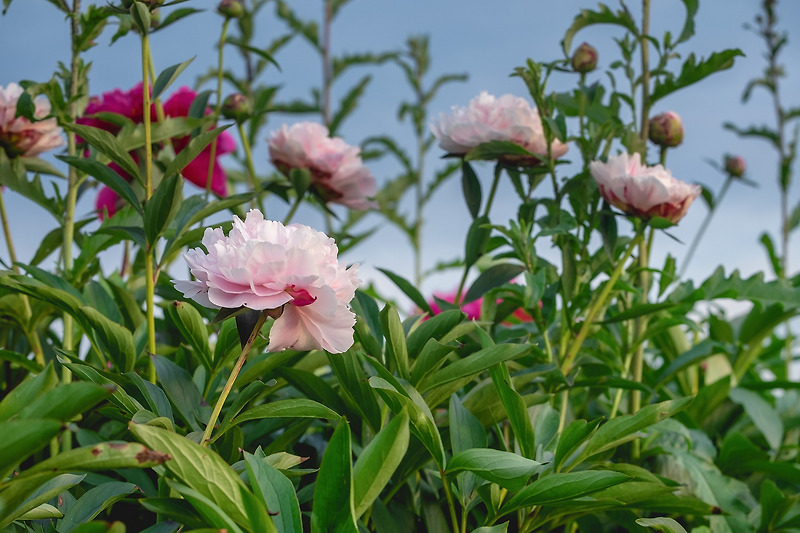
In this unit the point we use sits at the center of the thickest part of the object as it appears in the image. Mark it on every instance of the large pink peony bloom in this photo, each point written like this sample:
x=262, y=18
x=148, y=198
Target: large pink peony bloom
x=643, y=191
x=20, y=136
x=263, y=264
x=337, y=173
x=129, y=104
x=487, y=118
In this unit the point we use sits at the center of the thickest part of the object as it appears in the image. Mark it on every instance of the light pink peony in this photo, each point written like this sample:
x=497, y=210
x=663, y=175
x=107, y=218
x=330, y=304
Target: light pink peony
x=643, y=191
x=487, y=118
x=20, y=136
x=337, y=172
x=263, y=264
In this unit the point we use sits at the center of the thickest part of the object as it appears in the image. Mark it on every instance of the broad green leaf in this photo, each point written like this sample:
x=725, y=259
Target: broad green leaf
x=23, y=438
x=108, y=145
x=66, y=401
x=24, y=393
x=763, y=415
x=409, y=290
x=477, y=240
x=207, y=508
x=471, y=188
x=432, y=357
x=243, y=398
x=118, y=397
x=108, y=177
x=292, y=408
x=474, y=364
x=466, y=432
x=103, y=456
x=180, y=389
x=93, y=502
x=493, y=150
x=354, y=387
x=499, y=528
x=116, y=338
x=154, y=396
x=174, y=509
x=29, y=493
x=668, y=525
x=44, y=511
x=627, y=427
x=492, y=277
x=193, y=328
x=396, y=350
x=167, y=76
x=559, y=487
x=378, y=461
x=277, y=493
x=516, y=409
x=192, y=150
x=507, y=469
x=198, y=467
x=161, y=208
x=140, y=14
x=573, y=436
x=333, y=491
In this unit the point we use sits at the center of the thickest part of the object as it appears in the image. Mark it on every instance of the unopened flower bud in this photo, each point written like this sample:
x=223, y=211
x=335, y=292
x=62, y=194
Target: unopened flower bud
x=666, y=129
x=236, y=107
x=232, y=9
x=585, y=58
x=735, y=165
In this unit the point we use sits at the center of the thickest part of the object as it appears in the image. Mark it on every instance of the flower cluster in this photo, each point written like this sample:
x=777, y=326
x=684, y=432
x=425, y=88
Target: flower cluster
x=643, y=191
x=18, y=135
x=129, y=104
x=487, y=118
x=337, y=173
x=263, y=264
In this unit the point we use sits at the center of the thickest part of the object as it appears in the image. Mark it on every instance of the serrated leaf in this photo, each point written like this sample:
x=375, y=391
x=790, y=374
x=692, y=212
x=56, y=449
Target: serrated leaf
x=692, y=72
x=588, y=17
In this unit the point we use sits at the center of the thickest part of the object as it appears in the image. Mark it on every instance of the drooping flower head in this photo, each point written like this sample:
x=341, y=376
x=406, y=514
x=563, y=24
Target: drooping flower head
x=129, y=104
x=338, y=175
x=18, y=135
x=262, y=264
x=487, y=118
x=643, y=191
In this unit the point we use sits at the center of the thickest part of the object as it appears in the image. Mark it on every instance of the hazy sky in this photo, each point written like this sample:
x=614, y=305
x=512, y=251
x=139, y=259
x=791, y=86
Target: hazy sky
x=486, y=40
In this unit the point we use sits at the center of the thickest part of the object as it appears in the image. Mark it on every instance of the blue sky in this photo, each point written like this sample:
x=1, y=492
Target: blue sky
x=487, y=41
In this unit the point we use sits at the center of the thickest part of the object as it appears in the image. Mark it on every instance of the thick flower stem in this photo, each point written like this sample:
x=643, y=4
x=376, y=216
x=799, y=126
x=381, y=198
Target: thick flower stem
x=645, y=51
x=220, y=58
x=148, y=192
x=704, y=226
x=639, y=328
x=293, y=210
x=498, y=170
x=30, y=329
x=599, y=303
x=251, y=170
x=449, y=496
x=232, y=378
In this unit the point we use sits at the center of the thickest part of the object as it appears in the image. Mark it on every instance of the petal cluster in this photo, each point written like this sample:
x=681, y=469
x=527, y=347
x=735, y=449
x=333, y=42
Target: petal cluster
x=129, y=104
x=488, y=118
x=18, y=135
x=337, y=172
x=262, y=264
x=641, y=190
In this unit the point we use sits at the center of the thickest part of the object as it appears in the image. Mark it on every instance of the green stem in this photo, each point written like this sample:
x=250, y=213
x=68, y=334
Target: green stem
x=232, y=378
x=645, y=52
x=562, y=416
x=599, y=303
x=148, y=192
x=703, y=227
x=293, y=210
x=30, y=329
x=582, y=105
x=498, y=170
x=251, y=170
x=449, y=495
x=213, y=154
x=639, y=329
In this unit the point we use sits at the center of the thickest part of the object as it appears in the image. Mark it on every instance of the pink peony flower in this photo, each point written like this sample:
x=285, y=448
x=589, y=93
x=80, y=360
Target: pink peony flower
x=487, y=118
x=643, y=191
x=263, y=264
x=337, y=173
x=129, y=104
x=20, y=136
x=471, y=309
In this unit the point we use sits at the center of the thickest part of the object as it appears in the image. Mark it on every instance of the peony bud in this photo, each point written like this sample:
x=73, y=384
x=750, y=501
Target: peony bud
x=236, y=107
x=585, y=58
x=232, y=9
x=735, y=165
x=666, y=129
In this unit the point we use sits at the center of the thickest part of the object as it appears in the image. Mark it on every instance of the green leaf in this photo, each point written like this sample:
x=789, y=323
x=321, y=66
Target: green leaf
x=333, y=491
x=277, y=493
x=24, y=393
x=29, y=493
x=763, y=415
x=44, y=511
x=492, y=277
x=560, y=487
x=627, y=427
x=105, y=175
x=292, y=408
x=349, y=103
x=161, y=208
x=688, y=25
x=140, y=14
x=103, y=456
x=180, y=389
x=207, y=508
x=66, y=401
x=193, y=328
x=509, y=470
x=396, y=350
x=665, y=524
x=108, y=145
x=476, y=363
x=378, y=462
x=167, y=76
x=435, y=327
x=493, y=150
x=471, y=187
x=572, y=437
x=409, y=290
x=93, y=502
x=22, y=439
x=192, y=150
x=154, y=396
x=477, y=240
x=516, y=409
x=354, y=388
x=257, y=51
x=116, y=338
x=588, y=17
x=199, y=468
x=692, y=72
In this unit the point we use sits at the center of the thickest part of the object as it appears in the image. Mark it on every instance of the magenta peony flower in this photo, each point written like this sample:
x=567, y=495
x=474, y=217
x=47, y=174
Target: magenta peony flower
x=263, y=264
x=337, y=173
x=129, y=104
x=487, y=118
x=471, y=309
x=643, y=191
x=20, y=136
